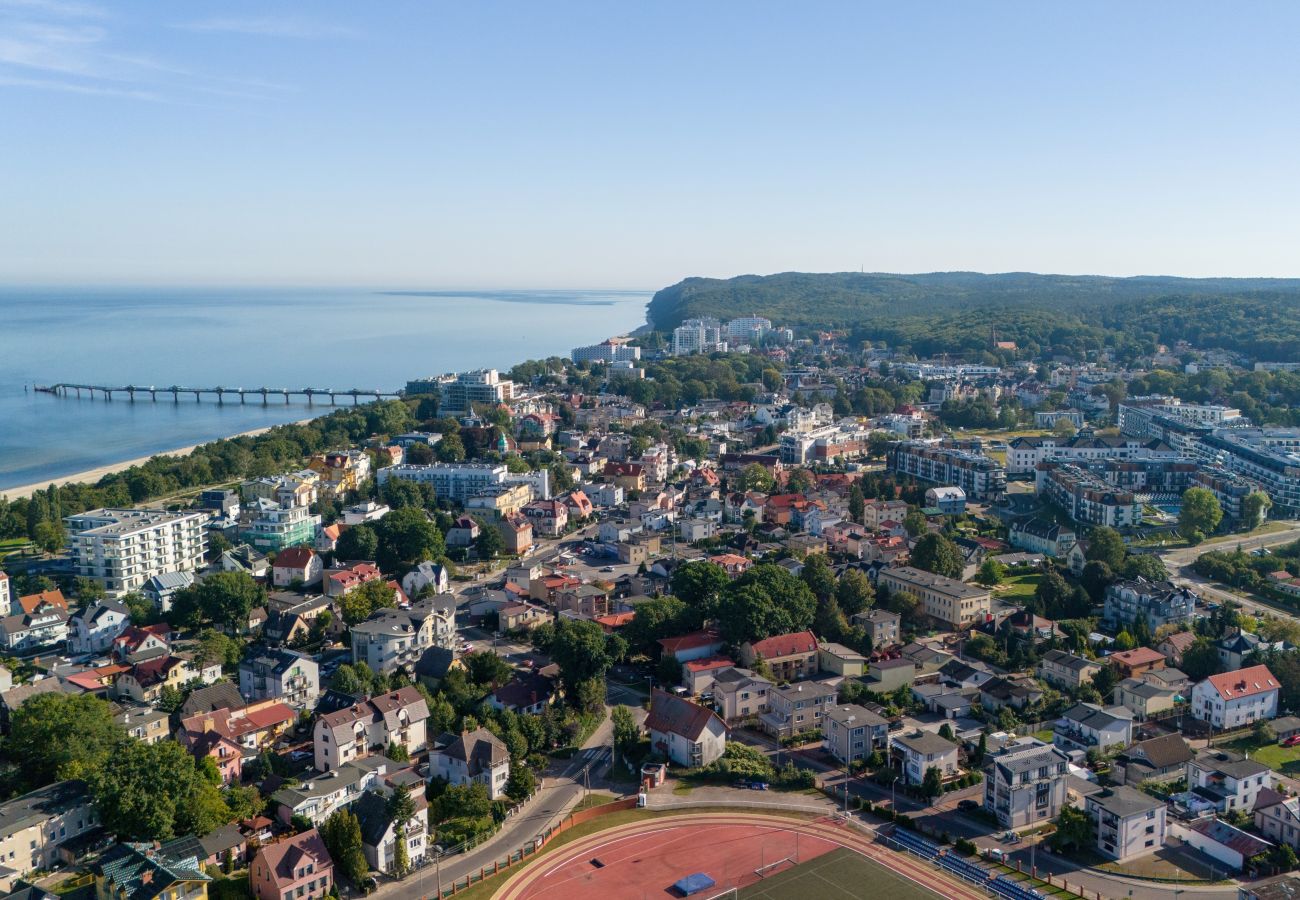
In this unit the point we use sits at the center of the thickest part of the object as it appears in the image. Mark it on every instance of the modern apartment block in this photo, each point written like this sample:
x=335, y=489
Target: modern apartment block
x=1129, y=822
x=123, y=548
x=851, y=733
x=698, y=336
x=607, y=351
x=1024, y=453
x=1137, y=415
x=276, y=527
x=1085, y=497
x=1025, y=784
x=958, y=463
x=454, y=481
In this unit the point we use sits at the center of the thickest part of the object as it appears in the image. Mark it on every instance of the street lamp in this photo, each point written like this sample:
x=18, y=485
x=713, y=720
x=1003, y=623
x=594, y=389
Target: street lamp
x=893, y=794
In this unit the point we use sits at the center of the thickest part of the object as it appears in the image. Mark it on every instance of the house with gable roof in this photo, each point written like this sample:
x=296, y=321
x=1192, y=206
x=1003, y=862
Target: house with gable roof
x=687, y=733
x=297, y=867
x=1234, y=699
x=356, y=731
x=471, y=756
x=789, y=656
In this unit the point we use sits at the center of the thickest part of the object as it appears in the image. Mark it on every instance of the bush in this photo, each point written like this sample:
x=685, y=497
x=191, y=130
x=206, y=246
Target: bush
x=965, y=847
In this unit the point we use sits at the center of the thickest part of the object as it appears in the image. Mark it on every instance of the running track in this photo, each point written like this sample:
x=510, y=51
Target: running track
x=690, y=843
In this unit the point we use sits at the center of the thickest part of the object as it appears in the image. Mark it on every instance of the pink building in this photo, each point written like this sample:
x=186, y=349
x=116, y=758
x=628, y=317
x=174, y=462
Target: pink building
x=299, y=867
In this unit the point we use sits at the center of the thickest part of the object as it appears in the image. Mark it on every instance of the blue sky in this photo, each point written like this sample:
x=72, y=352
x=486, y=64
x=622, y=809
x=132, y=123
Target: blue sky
x=613, y=145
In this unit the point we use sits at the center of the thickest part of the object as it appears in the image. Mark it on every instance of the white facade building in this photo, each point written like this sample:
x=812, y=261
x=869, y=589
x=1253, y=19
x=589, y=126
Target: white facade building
x=121, y=549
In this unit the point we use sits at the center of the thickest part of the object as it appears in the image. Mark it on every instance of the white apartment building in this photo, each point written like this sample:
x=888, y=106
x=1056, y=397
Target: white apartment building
x=454, y=481
x=698, y=336
x=34, y=826
x=398, y=717
x=1129, y=822
x=123, y=548
x=392, y=638
x=1234, y=699
x=607, y=351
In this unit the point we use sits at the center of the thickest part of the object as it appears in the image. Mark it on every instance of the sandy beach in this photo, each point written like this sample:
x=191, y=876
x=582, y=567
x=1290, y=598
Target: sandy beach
x=93, y=475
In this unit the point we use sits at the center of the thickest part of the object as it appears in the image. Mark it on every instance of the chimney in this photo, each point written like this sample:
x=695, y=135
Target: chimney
x=146, y=877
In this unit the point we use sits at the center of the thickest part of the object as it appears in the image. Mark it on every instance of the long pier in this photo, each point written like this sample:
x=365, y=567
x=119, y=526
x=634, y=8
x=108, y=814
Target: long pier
x=135, y=391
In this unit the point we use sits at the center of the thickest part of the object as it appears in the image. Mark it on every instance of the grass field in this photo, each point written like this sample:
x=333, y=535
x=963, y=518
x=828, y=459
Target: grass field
x=1019, y=588
x=837, y=875
x=1278, y=758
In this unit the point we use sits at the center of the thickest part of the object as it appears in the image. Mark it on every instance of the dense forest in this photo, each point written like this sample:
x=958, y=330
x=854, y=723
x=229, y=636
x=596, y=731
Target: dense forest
x=954, y=312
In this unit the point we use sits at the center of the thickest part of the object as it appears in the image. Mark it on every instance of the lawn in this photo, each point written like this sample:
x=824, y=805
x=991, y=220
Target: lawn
x=1019, y=588
x=595, y=798
x=1278, y=758
x=842, y=873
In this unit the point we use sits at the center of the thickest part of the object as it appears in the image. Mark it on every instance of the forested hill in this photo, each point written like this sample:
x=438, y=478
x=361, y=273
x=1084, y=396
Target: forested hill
x=950, y=311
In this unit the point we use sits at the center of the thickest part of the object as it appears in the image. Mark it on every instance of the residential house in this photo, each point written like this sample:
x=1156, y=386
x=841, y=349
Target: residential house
x=919, y=751
x=471, y=756
x=698, y=674
x=92, y=629
x=162, y=588
x=852, y=733
x=245, y=558
x=1144, y=697
x=320, y=796
x=1175, y=645
x=517, y=532
x=1067, y=670
x=1157, y=759
x=295, y=867
x=1087, y=725
x=1234, y=699
x=285, y=675
x=1231, y=847
x=1129, y=823
x=840, y=660
x=298, y=566
x=150, y=872
x=44, y=626
x=886, y=675
x=340, y=581
x=397, y=717
x=379, y=832
x=463, y=532
x=588, y=601
x=550, y=518
x=688, y=734
x=739, y=694
x=144, y=681
x=788, y=656
x=796, y=708
x=1277, y=817
x=520, y=617
x=696, y=645
x=947, y=601
x=526, y=693
x=35, y=826
x=1229, y=780
x=137, y=642
x=226, y=755
x=881, y=625
x=434, y=665
x=1236, y=647
x=1160, y=603
x=1043, y=536
x=1134, y=663
x=628, y=476
x=1024, y=784
x=144, y=723
x=1015, y=691
x=251, y=728
x=427, y=576
x=395, y=638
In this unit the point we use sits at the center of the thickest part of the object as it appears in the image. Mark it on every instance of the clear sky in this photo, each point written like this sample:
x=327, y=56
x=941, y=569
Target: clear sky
x=627, y=145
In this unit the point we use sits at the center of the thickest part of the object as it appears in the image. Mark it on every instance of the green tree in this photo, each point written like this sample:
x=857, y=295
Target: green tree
x=50, y=535
x=626, y=733
x=1074, y=830
x=580, y=650
x=935, y=553
x=854, y=592
x=1201, y=660
x=1106, y=545
x=358, y=542
x=359, y=603
x=146, y=792
x=489, y=543
x=991, y=572
x=401, y=809
x=819, y=576
x=799, y=481
x=914, y=523
x=450, y=448
x=1104, y=681
x=1200, y=514
x=406, y=537
x=754, y=477
x=766, y=600
x=1254, y=509
x=56, y=736
x=932, y=784
x=223, y=598
x=1145, y=565
x=699, y=584
x=1124, y=641
x=521, y=783
x=342, y=835
x=1096, y=577
x=905, y=603
x=857, y=504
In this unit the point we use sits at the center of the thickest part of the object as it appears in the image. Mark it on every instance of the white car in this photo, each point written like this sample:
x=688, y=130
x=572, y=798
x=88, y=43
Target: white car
x=467, y=647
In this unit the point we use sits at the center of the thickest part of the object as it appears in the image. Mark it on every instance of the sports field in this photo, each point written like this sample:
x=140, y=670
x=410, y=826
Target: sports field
x=837, y=875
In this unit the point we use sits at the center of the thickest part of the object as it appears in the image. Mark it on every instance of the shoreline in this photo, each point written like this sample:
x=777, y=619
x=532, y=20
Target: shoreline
x=92, y=476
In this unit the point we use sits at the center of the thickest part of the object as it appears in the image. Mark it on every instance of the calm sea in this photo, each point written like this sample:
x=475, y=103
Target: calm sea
x=247, y=338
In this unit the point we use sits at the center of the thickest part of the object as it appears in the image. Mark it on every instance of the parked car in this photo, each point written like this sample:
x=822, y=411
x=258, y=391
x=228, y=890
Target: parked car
x=968, y=805
x=1292, y=741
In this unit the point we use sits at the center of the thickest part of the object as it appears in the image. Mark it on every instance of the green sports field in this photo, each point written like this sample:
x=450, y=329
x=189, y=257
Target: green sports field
x=838, y=875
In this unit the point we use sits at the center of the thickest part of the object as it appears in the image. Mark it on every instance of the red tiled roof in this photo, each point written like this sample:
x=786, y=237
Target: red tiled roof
x=1244, y=682
x=673, y=715
x=690, y=641
x=783, y=645
x=616, y=620
x=709, y=663
x=1138, y=656
x=53, y=598
x=294, y=558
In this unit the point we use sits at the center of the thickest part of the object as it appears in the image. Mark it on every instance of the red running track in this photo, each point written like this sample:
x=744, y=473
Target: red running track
x=643, y=860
